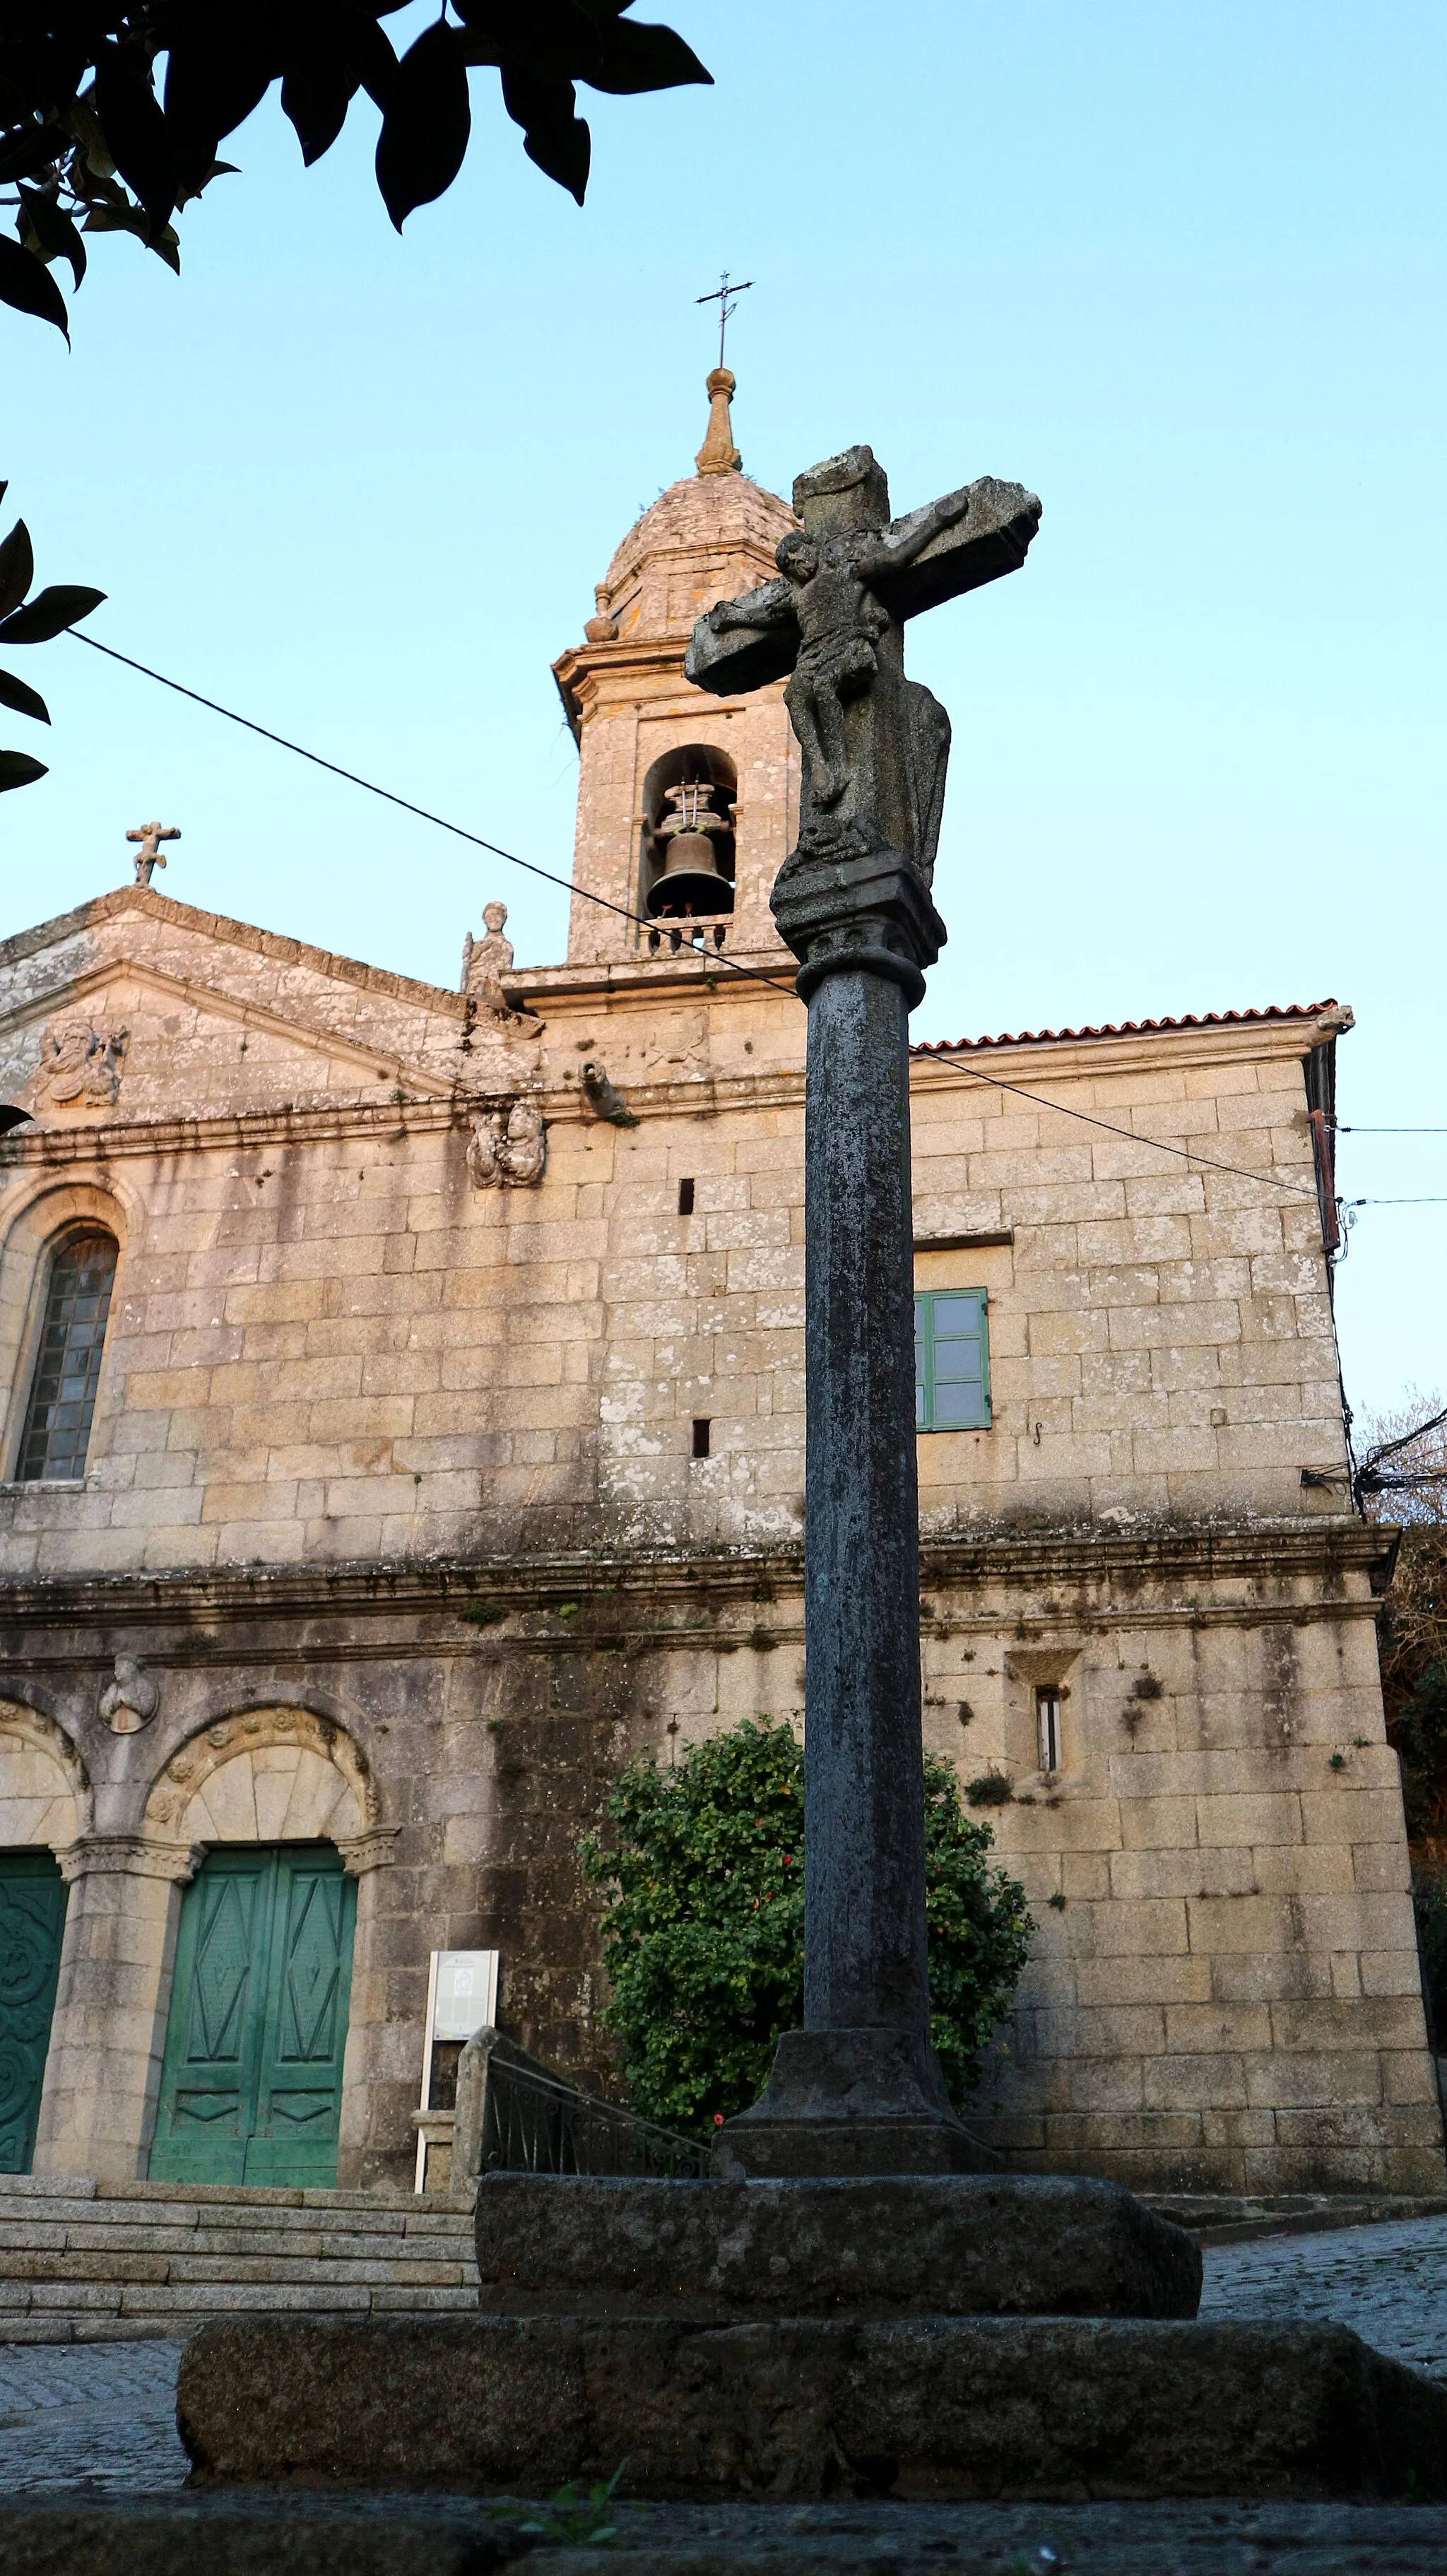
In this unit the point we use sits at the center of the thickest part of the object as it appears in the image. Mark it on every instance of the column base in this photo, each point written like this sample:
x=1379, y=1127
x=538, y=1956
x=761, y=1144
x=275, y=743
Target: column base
x=852, y=2102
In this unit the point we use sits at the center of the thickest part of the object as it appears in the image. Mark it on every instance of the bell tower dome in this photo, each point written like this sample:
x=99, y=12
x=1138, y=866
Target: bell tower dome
x=687, y=803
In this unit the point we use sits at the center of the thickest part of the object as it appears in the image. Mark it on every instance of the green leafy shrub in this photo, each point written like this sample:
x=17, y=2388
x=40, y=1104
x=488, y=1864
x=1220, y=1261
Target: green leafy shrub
x=703, y=1924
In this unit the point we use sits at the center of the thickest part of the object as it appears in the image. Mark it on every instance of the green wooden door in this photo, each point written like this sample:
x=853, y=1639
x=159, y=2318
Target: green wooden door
x=32, y=1918
x=251, y=2088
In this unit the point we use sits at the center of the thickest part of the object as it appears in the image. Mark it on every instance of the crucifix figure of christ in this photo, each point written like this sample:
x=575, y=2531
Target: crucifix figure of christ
x=150, y=856
x=858, y=2090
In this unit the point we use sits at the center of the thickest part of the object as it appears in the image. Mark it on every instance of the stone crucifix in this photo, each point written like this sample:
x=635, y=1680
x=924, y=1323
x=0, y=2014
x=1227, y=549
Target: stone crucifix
x=149, y=856
x=858, y=2090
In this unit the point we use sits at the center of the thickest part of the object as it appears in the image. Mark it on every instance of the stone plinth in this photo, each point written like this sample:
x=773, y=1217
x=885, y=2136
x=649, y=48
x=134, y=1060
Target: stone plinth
x=890, y=2337
x=964, y=2407
x=718, y=2252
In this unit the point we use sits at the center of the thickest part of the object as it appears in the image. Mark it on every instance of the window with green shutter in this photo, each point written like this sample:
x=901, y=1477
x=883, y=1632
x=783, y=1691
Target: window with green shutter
x=951, y=1360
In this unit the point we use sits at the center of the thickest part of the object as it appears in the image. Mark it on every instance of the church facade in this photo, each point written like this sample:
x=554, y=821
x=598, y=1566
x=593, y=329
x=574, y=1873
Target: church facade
x=402, y=1399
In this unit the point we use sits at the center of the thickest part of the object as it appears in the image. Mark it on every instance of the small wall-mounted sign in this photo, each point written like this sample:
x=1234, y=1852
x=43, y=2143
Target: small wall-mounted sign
x=463, y=1992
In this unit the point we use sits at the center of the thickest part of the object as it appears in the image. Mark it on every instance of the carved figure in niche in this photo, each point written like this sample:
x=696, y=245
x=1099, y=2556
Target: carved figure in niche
x=78, y=1062
x=132, y=1699
x=508, y=1148
x=485, y=961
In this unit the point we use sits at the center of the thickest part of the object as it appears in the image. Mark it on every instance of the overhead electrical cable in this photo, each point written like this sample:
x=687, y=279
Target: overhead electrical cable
x=716, y=961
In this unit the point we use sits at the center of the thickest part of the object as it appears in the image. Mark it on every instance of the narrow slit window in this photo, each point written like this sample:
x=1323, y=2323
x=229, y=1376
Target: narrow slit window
x=56, y=1436
x=701, y=1430
x=951, y=1360
x=685, y=1198
x=1047, y=1724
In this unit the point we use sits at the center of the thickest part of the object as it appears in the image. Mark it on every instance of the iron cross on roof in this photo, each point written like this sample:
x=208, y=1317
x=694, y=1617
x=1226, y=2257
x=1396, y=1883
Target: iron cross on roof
x=149, y=856
x=724, y=296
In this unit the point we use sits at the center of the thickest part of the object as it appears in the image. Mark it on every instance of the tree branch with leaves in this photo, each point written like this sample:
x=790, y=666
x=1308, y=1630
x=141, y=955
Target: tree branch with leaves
x=112, y=117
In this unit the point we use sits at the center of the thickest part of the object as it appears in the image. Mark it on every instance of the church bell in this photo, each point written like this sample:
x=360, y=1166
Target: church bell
x=692, y=883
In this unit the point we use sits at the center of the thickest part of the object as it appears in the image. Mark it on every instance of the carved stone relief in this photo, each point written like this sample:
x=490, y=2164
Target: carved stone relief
x=508, y=1148
x=79, y=1062
x=130, y=1701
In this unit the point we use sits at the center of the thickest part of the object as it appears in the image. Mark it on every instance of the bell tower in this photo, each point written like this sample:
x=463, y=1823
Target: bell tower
x=687, y=804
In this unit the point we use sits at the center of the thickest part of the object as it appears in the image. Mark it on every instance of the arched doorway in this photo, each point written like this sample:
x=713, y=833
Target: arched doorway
x=251, y=2082
x=251, y=2076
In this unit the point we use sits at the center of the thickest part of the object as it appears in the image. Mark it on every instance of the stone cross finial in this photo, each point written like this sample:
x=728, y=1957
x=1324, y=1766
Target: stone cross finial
x=149, y=856
x=858, y=2089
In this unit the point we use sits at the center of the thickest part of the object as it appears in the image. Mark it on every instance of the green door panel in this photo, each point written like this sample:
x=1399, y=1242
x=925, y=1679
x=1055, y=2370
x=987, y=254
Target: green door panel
x=252, y=2080
x=299, y=2091
x=32, y=1918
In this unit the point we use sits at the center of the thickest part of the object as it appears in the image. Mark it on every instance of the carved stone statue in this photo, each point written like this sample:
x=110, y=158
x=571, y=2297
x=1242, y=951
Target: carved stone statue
x=508, y=1149
x=150, y=855
x=485, y=962
x=875, y=744
x=132, y=1699
x=78, y=1062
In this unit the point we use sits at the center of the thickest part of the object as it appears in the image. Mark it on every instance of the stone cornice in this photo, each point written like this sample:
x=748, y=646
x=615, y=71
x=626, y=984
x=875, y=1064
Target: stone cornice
x=1316, y=1548
x=237, y=934
x=381, y=1063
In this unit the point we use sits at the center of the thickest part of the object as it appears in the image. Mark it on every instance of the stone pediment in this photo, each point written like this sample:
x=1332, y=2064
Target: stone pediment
x=137, y=1008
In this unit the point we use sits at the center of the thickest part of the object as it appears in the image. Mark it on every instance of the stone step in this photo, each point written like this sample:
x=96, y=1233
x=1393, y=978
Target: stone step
x=81, y=2261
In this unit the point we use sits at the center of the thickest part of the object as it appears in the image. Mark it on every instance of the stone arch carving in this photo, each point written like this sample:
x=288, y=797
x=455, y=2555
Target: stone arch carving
x=270, y=1775
x=45, y=1795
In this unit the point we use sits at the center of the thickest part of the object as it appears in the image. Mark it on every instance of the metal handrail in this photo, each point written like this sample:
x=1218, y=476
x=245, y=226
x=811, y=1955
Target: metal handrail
x=538, y=2123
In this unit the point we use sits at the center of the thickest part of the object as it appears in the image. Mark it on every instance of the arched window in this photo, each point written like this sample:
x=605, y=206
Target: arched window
x=67, y=1369
x=688, y=834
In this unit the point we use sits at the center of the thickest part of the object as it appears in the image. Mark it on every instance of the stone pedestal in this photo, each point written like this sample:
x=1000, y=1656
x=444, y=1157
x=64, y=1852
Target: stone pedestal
x=801, y=2340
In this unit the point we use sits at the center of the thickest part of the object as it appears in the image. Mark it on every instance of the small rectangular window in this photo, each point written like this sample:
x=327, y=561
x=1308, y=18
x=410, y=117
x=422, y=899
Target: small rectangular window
x=701, y=1431
x=951, y=1360
x=685, y=1198
x=1047, y=1722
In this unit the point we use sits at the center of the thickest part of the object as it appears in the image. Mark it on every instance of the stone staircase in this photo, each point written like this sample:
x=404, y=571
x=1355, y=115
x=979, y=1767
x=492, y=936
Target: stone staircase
x=85, y=2262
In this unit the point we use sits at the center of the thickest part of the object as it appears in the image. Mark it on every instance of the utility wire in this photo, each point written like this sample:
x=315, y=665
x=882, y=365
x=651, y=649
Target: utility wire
x=749, y=974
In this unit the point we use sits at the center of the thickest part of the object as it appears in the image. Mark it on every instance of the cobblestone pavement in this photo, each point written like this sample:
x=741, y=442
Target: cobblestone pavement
x=101, y=2417
x=90, y=2416
x=1388, y=2283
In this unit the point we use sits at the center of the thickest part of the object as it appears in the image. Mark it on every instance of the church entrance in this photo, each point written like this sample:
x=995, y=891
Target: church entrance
x=32, y=1919
x=251, y=2087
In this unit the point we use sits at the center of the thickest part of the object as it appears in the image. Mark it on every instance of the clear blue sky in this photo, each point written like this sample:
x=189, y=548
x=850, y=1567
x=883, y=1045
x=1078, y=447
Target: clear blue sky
x=1179, y=269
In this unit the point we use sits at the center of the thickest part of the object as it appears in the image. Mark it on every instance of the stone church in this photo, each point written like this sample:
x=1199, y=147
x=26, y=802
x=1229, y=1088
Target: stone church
x=402, y=1397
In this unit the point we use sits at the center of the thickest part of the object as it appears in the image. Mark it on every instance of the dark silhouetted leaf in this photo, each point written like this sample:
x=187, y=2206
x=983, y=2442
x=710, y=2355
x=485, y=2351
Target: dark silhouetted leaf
x=218, y=170
x=135, y=129
x=26, y=702
x=220, y=66
x=553, y=135
x=17, y=567
x=640, y=58
x=555, y=40
x=30, y=153
x=425, y=130
x=55, y=230
x=17, y=769
x=316, y=94
x=27, y=285
x=64, y=604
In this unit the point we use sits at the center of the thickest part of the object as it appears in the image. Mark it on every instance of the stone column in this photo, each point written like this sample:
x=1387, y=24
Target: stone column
x=108, y=2033
x=382, y=2059
x=858, y=2090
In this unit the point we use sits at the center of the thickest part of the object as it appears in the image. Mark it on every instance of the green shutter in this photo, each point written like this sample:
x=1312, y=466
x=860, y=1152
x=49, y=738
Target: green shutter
x=951, y=1360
